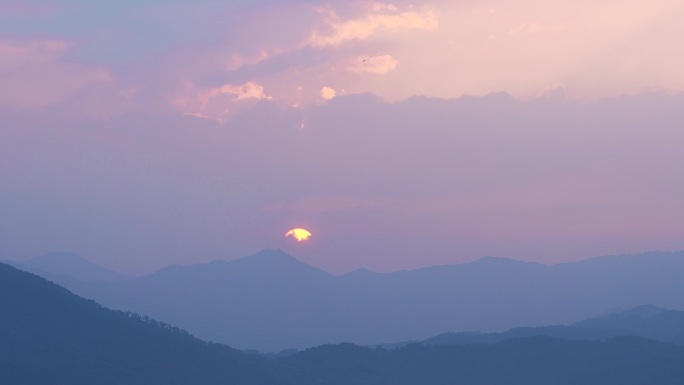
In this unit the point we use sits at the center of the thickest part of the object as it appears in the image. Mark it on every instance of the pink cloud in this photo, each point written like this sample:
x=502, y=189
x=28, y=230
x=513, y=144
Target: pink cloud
x=16, y=54
x=249, y=90
x=290, y=47
x=378, y=7
x=364, y=27
x=536, y=28
x=328, y=93
x=476, y=175
x=238, y=61
x=217, y=103
x=380, y=64
x=33, y=74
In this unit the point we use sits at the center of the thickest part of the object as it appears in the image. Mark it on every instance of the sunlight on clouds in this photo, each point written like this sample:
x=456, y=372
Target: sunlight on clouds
x=238, y=61
x=394, y=50
x=380, y=64
x=447, y=49
x=365, y=27
x=249, y=90
x=217, y=103
x=197, y=115
x=594, y=49
x=328, y=93
x=284, y=64
x=378, y=7
x=535, y=28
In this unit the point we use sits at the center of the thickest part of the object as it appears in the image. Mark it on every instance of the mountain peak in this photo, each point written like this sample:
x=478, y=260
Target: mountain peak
x=271, y=255
x=276, y=260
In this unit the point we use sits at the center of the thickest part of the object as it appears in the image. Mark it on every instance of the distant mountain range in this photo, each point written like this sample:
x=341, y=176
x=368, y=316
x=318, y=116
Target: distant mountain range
x=271, y=301
x=50, y=336
x=646, y=321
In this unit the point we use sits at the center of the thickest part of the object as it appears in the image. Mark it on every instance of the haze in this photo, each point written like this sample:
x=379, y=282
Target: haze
x=145, y=133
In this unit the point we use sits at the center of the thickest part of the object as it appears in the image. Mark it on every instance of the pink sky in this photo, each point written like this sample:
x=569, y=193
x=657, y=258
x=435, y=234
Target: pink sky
x=141, y=135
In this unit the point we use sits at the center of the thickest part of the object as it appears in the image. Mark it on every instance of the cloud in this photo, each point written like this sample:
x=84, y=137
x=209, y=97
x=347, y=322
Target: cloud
x=380, y=64
x=328, y=93
x=445, y=49
x=472, y=176
x=248, y=90
x=217, y=103
x=197, y=115
x=34, y=74
x=378, y=7
x=286, y=49
x=17, y=54
x=536, y=28
x=365, y=27
x=494, y=171
x=238, y=61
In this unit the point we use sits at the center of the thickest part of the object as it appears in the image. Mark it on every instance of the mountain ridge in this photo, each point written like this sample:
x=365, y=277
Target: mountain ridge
x=50, y=335
x=270, y=301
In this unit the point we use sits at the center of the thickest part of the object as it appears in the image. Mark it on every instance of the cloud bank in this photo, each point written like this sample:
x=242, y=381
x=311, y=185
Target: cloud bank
x=383, y=185
x=186, y=131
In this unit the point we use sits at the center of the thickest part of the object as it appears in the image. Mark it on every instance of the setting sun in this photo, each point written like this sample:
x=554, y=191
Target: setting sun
x=299, y=234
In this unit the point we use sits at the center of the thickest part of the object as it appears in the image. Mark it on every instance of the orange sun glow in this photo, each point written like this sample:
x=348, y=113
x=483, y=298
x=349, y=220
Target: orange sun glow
x=299, y=234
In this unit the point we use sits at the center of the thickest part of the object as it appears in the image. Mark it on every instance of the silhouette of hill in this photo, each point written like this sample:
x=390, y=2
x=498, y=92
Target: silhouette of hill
x=270, y=301
x=528, y=361
x=647, y=321
x=49, y=335
x=559, y=332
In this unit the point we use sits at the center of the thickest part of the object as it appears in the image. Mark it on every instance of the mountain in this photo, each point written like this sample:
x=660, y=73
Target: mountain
x=70, y=265
x=647, y=321
x=49, y=335
x=559, y=332
x=527, y=361
x=270, y=301
x=236, y=301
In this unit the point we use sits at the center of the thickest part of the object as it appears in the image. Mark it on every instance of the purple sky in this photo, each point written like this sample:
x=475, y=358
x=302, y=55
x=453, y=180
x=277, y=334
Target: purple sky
x=145, y=133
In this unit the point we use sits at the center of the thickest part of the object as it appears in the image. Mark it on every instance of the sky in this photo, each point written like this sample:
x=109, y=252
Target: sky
x=400, y=134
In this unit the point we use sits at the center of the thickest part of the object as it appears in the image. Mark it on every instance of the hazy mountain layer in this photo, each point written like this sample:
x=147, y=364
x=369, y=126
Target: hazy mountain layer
x=645, y=321
x=271, y=301
x=48, y=335
x=528, y=361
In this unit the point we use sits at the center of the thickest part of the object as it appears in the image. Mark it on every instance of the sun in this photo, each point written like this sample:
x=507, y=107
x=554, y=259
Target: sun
x=299, y=234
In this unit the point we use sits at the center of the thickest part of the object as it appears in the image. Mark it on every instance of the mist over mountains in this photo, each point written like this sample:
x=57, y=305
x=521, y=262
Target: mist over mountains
x=645, y=321
x=49, y=335
x=71, y=265
x=270, y=301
